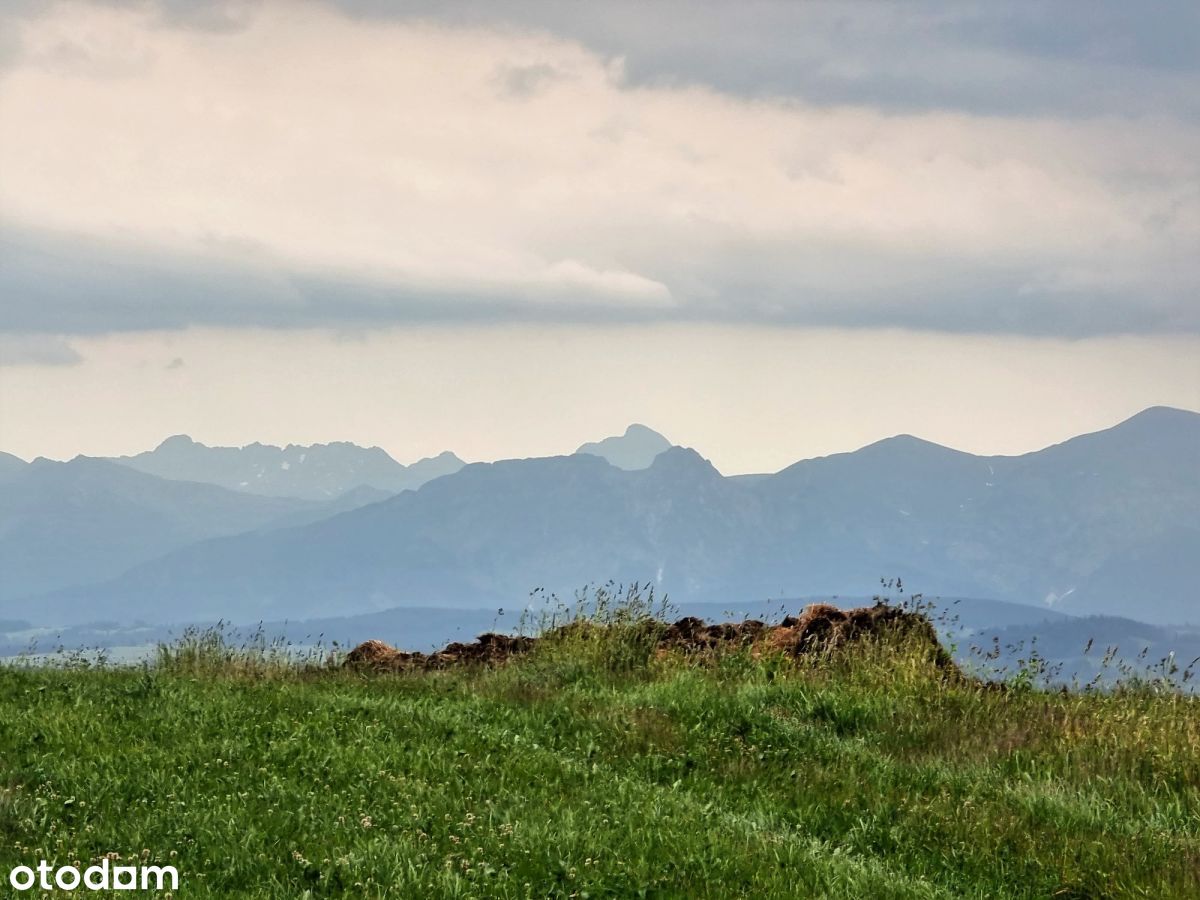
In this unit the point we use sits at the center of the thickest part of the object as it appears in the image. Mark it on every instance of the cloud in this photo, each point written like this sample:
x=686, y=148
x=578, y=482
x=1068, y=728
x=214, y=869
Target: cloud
x=36, y=350
x=1077, y=58
x=525, y=81
x=313, y=168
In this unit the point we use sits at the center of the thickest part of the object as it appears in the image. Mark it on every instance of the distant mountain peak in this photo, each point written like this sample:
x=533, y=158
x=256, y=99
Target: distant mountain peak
x=311, y=472
x=909, y=443
x=635, y=449
x=1165, y=411
x=176, y=440
x=683, y=459
x=11, y=466
x=1157, y=430
x=1161, y=416
x=636, y=429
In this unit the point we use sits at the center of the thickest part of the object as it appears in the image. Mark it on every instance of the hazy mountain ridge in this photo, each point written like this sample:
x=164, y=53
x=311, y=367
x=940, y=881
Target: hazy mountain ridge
x=636, y=449
x=68, y=523
x=314, y=472
x=11, y=466
x=1019, y=529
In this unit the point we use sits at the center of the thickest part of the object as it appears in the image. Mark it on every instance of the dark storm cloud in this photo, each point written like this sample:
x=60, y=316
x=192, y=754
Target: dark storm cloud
x=1078, y=57
x=56, y=286
x=1067, y=58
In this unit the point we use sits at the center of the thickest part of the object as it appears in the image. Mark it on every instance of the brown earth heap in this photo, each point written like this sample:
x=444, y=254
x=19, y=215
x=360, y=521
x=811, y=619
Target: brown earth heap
x=486, y=648
x=820, y=627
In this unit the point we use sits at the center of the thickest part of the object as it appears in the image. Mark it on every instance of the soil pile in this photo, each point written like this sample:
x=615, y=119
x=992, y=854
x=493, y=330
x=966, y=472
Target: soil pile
x=692, y=634
x=819, y=628
x=487, y=648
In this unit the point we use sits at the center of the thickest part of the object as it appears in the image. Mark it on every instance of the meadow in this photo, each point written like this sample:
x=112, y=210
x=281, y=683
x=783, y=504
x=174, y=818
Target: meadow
x=601, y=767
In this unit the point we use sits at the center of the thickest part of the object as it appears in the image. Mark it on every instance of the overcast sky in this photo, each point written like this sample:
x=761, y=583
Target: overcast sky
x=771, y=230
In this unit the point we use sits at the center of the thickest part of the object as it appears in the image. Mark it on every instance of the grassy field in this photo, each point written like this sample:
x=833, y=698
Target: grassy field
x=602, y=770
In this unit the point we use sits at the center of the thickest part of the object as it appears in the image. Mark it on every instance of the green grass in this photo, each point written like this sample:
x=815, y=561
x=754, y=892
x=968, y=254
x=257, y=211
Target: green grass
x=593, y=768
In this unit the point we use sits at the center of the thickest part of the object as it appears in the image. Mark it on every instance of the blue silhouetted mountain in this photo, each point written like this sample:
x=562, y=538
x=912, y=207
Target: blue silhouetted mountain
x=68, y=523
x=635, y=449
x=316, y=472
x=1107, y=522
x=11, y=466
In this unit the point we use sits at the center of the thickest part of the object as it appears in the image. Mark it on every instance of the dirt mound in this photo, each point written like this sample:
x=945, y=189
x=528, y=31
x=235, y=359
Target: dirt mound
x=823, y=627
x=487, y=648
x=819, y=628
x=693, y=634
x=376, y=655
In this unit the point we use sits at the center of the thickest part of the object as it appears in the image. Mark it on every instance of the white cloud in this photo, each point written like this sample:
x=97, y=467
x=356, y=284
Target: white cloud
x=499, y=169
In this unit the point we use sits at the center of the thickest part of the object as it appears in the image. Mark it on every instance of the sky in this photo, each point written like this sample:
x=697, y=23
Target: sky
x=770, y=230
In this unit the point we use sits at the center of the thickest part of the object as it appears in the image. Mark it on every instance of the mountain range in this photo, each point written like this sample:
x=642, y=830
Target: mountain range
x=314, y=472
x=71, y=523
x=65, y=524
x=1107, y=523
